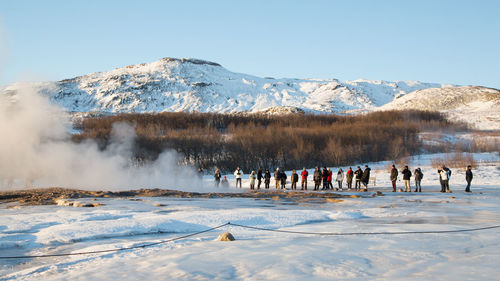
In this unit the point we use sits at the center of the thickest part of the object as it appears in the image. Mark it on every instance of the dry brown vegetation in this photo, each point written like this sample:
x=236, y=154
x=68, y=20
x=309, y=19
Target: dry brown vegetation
x=213, y=140
x=457, y=160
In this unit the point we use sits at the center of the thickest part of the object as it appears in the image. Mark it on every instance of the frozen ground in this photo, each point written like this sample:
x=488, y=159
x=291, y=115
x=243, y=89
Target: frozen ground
x=32, y=230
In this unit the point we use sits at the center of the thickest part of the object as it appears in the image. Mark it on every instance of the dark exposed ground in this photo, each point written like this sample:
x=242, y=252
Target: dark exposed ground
x=49, y=196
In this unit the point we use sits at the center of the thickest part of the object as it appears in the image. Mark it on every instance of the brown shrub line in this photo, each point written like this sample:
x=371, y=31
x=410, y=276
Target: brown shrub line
x=456, y=160
x=289, y=141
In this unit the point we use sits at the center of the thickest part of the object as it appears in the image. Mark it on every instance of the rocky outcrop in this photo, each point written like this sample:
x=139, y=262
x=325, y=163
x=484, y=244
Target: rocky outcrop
x=226, y=236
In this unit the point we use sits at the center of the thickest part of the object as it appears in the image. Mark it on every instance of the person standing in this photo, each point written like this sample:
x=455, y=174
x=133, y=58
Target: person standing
x=277, y=175
x=304, y=175
x=238, y=174
x=365, y=178
x=324, y=177
x=294, y=179
x=348, y=178
x=267, y=179
x=330, y=179
x=317, y=178
x=394, y=177
x=444, y=175
x=283, y=178
x=468, y=178
x=225, y=182
x=217, y=177
x=358, y=174
x=406, y=178
x=441, y=182
x=418, y=179
x=252, y=179
x=340, y=178
x=259, y=177
x=447, y=184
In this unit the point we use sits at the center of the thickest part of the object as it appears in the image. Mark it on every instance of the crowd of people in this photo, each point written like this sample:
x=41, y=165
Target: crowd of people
x=323, y=178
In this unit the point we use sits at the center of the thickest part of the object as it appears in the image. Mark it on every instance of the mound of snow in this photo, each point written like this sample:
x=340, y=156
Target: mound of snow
x=477, y=106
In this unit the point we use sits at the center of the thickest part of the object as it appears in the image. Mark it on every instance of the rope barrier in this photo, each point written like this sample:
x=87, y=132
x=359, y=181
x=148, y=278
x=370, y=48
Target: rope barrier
x=115, y=250
x=257, y=228
x=365, y=233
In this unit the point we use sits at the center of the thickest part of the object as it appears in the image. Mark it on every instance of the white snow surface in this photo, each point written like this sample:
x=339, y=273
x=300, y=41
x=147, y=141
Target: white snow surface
x=31, y=230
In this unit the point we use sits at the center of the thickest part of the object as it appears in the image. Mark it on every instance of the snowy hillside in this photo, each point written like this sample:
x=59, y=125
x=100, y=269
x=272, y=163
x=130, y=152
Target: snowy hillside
x=172, y=84
x=478, y=106
x=194, y=85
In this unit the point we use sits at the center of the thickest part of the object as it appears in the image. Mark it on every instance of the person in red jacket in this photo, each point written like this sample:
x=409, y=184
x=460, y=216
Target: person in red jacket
x=329, y=179
x=349, y=176
x=324, y=177
x=304, y=175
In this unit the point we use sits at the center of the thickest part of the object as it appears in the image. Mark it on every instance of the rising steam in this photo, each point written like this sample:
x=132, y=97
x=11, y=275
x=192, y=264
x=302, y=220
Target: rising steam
x=36, y=151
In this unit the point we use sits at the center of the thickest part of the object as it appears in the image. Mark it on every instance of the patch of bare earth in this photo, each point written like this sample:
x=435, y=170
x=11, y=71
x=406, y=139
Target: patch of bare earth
x=50, y=196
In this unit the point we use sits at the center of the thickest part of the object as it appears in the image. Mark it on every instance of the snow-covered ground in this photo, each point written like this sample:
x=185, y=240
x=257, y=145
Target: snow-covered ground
x=32, y=230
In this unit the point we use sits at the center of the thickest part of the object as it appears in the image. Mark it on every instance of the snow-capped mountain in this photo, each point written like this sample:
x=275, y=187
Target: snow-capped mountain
x=172, y=84
x=194, y=85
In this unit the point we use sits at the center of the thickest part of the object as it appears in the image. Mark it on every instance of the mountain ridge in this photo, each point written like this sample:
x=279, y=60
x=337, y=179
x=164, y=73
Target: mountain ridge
x=187, y=84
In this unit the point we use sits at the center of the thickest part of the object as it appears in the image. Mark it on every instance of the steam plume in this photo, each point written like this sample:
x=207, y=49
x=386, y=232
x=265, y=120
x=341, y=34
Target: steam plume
x=36, y=151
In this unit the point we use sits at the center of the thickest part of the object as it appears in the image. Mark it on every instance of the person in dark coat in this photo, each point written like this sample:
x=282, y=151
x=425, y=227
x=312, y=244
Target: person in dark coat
x=348, y=178
x=418, y=179
x=317, y=178
x=365, y=178
x=394, y=177
x=359, y=175
x=217, y=177
x=283, y=178
x=324, y=177
x=406, y=178
x=304, y=175
x=468, y=178
x=294, y=179
x=267, y=179
x=259, y=177
x=447, y=182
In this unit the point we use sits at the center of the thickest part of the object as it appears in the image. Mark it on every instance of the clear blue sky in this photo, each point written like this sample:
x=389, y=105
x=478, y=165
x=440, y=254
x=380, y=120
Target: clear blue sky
x=433, y=41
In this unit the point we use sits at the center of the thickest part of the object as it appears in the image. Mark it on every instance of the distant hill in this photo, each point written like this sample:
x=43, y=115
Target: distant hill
x=478, y=106
x=173, y=84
